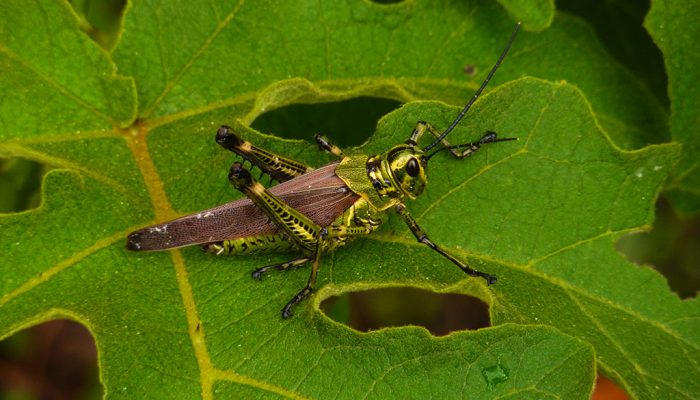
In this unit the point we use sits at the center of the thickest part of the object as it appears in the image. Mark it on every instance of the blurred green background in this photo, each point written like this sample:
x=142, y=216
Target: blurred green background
x=58, y=359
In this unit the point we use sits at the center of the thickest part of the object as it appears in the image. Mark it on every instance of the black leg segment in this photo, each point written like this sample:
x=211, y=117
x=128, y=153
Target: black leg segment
x=325, y=145
x=289, y=265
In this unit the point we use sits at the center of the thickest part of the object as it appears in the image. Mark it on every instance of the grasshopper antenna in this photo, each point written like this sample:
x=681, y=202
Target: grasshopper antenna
x=478, y=92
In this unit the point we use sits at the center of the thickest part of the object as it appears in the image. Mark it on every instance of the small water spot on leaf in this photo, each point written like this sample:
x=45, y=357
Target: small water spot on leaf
x=347, y=123
x=494, y=375
x=440, y=313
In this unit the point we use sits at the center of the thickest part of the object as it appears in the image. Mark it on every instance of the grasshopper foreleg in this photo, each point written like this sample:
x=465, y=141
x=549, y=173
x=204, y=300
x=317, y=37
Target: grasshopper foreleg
x=469, y=148
x=423, y=238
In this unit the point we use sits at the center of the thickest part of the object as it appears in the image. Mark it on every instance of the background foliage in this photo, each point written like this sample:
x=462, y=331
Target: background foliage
x=127, y=130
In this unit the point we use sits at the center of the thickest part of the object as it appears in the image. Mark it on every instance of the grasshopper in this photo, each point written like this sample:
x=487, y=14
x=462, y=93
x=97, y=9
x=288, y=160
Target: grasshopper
x=311, y=210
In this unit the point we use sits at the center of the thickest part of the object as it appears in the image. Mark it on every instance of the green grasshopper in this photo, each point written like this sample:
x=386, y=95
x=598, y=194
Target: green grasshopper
x=315, y=210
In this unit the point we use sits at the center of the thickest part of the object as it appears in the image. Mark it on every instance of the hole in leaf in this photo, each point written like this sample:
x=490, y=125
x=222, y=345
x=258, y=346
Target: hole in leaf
x=347, y=123
x=100, y=19
x=53, y=360
x=671, y=247
x=606, y=389
x=20, y=184
x=440, y=313
x=619, y=25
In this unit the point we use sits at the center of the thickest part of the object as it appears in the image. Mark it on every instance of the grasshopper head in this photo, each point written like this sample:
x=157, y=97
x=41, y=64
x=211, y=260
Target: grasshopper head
x=407, y=165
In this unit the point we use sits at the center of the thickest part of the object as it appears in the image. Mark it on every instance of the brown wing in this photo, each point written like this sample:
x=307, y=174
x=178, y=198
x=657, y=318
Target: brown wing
x=319, y=194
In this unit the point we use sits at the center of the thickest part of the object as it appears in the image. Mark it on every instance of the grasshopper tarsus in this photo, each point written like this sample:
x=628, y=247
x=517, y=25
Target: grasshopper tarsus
x=489, y=137
x=492, y=137
x=303, y=293
x=490, y=279
x=287, y=310
x=259, y=272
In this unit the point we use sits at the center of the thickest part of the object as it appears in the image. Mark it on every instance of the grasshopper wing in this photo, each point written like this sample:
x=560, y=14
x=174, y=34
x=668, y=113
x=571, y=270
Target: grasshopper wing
x=319, y=194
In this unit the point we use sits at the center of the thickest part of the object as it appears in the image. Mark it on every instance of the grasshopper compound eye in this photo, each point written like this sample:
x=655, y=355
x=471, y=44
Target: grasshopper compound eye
x=412, y=167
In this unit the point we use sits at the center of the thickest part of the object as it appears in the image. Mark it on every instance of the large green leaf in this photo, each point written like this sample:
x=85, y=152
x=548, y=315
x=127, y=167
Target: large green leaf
x=674, y=30
x=542, y=213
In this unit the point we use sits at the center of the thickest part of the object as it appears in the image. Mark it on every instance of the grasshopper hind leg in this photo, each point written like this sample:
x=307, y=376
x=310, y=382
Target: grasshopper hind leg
x=303, y=232
x=277, y=167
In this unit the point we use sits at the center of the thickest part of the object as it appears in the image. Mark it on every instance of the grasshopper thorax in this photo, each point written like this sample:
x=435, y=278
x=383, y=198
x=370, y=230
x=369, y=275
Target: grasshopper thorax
x=398, y=172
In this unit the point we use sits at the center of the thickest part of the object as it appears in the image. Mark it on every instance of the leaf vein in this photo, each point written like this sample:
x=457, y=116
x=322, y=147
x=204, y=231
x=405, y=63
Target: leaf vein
x=172, y=82
x=59, y=87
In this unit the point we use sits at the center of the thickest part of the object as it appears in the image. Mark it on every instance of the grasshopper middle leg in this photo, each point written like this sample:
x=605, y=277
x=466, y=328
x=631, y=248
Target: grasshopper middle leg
x=286, y=266
x=326, y=236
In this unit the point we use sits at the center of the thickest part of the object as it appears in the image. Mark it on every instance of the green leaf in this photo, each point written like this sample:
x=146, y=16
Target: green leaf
x=542, y=213
x=535, y=15
x=671, y=25
x=214, y=55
